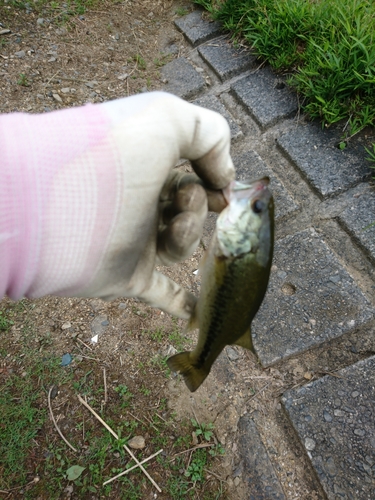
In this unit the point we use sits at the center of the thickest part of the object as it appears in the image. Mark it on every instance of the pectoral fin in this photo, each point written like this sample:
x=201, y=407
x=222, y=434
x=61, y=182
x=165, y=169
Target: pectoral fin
x=193, y=322
x=246, y=341
x=193, y=376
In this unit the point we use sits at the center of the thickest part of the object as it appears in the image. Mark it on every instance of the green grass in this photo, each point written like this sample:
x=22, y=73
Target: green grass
x=30, y=447
x=181, y=11
x=5, y=322
x=327, y=47
x=22, y=418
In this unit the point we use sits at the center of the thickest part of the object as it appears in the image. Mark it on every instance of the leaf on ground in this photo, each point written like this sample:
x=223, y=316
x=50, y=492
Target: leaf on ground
x=74, y=472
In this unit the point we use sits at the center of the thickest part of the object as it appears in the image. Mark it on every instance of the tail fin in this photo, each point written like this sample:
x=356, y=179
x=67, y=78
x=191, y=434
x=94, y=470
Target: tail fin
x=193, y=376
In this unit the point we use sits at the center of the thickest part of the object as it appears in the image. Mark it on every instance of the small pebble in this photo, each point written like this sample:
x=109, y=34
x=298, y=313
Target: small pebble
x=21, y=54
x=310, y=444
x=65, y=326
x=137, y=443
x=359, y=432
x=66, y=360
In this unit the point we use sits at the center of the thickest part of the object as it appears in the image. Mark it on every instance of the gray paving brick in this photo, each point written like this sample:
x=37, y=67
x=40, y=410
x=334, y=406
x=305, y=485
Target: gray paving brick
x=182, y=79
x=258, y=471
x=226, y=60
x=327, y=168
x=266, y=97
x=250, y=165
x=311, y=298
x=213, y=103
x=358, y=219
x=335, y=421
x=197, y=30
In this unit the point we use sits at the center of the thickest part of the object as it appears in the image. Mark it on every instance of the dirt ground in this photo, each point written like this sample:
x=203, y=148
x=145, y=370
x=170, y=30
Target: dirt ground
x=50, y=61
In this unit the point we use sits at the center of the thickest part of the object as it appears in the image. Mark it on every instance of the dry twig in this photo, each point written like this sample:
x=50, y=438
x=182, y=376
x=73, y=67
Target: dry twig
x=105, y=386
x=202, y=445
x=257, y=393
x=55, y=423
x=131, y=468
x=215, y=475
x=116, y=437
x=82, y=342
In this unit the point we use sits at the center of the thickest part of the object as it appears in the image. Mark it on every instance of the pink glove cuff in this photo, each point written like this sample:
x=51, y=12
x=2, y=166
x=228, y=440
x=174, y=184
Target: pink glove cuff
x=39, y=154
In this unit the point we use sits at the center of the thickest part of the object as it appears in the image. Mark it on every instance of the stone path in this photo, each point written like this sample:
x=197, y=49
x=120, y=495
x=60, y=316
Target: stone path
x=323, y=281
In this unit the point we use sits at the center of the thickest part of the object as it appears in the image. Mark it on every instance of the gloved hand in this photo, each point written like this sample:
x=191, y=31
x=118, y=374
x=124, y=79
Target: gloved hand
x=100, y=203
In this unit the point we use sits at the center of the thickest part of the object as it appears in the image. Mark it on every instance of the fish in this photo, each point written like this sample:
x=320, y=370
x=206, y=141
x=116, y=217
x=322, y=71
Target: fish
x=235, y=272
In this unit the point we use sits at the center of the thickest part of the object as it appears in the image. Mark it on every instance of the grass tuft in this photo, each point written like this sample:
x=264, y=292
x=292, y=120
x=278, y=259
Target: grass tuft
x=327, y=45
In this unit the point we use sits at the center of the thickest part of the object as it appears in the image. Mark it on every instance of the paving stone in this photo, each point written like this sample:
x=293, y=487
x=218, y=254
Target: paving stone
x=196, y=29
x=311, y=298
x=226, y=60
x=327, y=168
x=258, y=471
x=250, y=165
x=359, y=219
x=341, y=449
x=213, y=103
x=266, y=97
x=182, y=79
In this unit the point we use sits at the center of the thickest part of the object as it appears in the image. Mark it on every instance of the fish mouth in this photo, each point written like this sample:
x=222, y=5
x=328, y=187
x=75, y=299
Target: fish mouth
x=255, y=186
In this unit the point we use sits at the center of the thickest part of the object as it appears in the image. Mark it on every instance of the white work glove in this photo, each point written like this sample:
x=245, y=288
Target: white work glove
x=113, y=209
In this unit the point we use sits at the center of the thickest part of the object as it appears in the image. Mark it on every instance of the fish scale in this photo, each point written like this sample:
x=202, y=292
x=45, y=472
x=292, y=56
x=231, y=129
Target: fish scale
x=218, y=307
x=235, y=272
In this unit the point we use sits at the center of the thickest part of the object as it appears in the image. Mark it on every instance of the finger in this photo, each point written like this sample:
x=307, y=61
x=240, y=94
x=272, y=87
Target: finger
x=180, y=238
x=168, y=296
x=208, y=146
x=178, y=185
x=215, y=200
x=189, y=198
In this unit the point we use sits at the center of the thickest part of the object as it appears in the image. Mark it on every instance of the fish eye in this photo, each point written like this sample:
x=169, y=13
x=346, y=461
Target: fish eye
x=258, y=207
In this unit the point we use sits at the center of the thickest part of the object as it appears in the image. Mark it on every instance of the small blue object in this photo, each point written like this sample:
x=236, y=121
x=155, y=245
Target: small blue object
x=66, y=360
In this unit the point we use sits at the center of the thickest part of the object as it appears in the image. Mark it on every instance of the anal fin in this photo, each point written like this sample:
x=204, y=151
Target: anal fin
x=193, y=322
x=193, y=376
x=246, y=341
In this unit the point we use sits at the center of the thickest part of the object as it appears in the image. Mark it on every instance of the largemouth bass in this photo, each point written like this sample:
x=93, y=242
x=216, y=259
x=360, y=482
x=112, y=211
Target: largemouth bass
x=235, y=273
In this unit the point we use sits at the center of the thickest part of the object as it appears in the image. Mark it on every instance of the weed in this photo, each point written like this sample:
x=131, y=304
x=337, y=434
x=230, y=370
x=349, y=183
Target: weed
x=162, y=60
x=217, y=450
x=22, y=80
x=204, y=430
x=328, y=47
x=125, y=394
x=140, y=62
x=21, y=417
x=123, y=390
x=156, y=335
x=181, y=11
x=177, y=339
x=371, y=155
x=5, y=322
x=161, y=362
x=195, y=469
x=144, y=390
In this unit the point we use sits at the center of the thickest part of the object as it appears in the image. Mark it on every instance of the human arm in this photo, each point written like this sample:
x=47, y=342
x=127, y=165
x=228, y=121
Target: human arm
x=84, y=190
